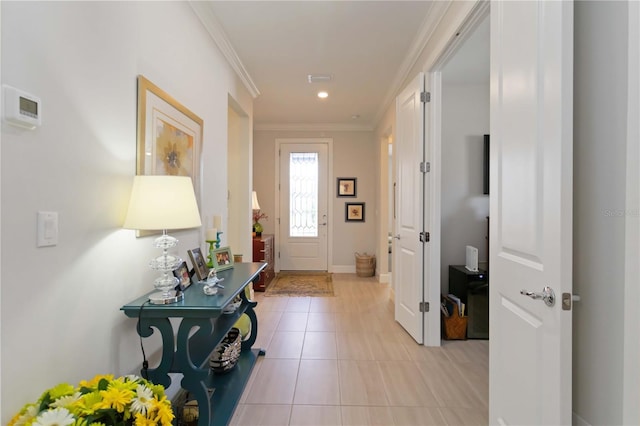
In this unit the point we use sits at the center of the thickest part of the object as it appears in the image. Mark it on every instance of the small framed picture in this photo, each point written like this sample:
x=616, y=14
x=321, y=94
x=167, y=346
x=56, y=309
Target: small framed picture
x=199, y=264
x=354, y=212
x=182, y=274
x=222, y=258
x=346, y=187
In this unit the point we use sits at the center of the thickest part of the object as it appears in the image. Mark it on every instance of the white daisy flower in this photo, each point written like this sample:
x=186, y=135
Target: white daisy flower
x=143, y=400
x=65, y=401
x=57, y=417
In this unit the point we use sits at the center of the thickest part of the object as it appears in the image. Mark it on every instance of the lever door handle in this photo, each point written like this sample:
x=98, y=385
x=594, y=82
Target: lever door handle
x=547, y=295
x=397, y=236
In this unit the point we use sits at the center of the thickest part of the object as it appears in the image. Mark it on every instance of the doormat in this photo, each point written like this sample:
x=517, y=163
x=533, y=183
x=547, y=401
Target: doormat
x=301, y=283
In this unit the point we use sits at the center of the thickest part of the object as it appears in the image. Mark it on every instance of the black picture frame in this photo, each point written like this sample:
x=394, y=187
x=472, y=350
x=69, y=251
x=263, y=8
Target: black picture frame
x=183, y=275
x=354, y=212
x=346, y=187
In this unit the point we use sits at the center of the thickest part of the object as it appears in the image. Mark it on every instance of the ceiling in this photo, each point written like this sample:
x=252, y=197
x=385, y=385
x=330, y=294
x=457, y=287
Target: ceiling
x=367, y=47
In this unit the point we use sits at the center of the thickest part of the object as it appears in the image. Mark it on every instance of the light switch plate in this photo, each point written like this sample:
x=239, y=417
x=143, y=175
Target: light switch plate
x=47, y=229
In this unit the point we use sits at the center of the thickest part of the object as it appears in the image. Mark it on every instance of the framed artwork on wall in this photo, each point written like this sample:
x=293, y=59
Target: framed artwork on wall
x=346, y=187
x=169, y=135
x=354, y=212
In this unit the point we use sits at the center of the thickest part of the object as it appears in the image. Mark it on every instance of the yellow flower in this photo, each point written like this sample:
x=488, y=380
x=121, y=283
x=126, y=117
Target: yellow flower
x=63, y=389
x=27, y=414
x=173, y=145
x=165, y=414
x=93, y=383
x=116, y=398
x=87, y=404
x=141, y=420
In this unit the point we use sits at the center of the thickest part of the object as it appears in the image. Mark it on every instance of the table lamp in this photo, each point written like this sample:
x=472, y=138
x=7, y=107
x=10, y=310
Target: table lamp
x=159, y=203
x=254, y=201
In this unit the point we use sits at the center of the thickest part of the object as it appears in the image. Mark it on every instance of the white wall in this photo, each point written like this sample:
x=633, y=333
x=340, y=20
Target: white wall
x=354, y=155
x=600, y=114
x=60, y=305
x=464, y=207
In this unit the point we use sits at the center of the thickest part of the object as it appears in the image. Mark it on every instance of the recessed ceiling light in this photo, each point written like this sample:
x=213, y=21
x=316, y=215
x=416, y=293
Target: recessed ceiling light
x=323, y=95
x=355, y=116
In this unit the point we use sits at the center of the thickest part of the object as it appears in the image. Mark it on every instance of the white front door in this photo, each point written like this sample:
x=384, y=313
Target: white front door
x=408, y=250
x=303, y=206
x=531, y=211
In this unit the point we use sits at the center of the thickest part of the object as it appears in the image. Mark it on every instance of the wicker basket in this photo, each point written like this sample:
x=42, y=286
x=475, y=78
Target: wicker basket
x=365, y=265
x=454, y=327
x=226, y=354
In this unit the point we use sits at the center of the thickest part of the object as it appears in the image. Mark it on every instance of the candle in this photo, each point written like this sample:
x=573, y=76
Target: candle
x=212, y=234
x=217, y=222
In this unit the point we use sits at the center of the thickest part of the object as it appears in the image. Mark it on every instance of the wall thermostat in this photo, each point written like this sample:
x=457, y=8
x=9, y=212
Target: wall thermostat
x=21, y=109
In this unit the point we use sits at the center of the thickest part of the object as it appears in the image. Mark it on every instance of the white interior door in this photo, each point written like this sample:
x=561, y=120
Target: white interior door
x=303, y=206
x=408, y=250
x=531, y=211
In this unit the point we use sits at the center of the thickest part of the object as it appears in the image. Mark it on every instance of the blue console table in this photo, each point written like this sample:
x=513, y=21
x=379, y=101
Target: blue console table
x=201, y=327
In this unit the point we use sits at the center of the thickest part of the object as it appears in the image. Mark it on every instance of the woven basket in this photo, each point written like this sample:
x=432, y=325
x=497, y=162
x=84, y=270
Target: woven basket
x=454, y=327
x=226, y=354
x=365, y=265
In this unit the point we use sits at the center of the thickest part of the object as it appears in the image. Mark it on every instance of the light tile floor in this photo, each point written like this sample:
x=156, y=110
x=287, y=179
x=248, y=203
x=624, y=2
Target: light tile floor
x=345, y=361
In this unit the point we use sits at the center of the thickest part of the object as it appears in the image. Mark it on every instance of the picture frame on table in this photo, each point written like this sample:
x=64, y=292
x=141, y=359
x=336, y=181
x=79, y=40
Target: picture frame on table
x=222, y=258
x=182, y=274
x=169, y=137
x=346, y=187
x=199, y=263
x=354, y=212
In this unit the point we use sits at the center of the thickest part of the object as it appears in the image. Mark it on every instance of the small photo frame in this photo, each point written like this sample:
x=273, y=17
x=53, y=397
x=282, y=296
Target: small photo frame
x=199, y=264
x=222, y=258
x=346, y=187
x=182, y=274
x=354, y=212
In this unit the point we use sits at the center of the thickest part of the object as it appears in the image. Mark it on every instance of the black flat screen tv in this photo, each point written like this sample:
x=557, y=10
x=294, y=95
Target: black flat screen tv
x=485, y=180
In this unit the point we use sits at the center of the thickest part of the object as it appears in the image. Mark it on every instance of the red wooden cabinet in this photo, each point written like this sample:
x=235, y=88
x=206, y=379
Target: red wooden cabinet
x=263, y=251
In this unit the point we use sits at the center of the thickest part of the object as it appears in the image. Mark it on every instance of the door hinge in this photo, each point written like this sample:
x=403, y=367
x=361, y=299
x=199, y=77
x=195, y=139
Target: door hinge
x=425, y=237
x=424, y=306
x=425, y=97
x=425, y=167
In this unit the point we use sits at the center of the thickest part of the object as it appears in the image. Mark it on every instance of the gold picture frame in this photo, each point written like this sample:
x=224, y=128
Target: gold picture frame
x=169, y=140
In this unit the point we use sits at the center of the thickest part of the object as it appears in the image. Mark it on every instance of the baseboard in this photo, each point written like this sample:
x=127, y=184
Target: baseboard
x=343, y=269
x=384, y=278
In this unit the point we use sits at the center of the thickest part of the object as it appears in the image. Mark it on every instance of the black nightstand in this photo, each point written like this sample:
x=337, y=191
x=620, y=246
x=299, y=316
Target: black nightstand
x=473, y=290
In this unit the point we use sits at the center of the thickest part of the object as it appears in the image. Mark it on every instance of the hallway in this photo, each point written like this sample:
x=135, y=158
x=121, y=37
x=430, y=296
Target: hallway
x=345, y=361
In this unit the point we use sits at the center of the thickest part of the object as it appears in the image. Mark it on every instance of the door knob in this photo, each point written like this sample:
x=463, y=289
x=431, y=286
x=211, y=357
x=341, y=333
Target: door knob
x=397, y=236
x=547, y=295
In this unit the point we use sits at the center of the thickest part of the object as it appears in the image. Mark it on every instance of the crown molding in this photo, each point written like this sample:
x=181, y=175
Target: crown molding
x=429, y=26
x=312, y=127
x=213, y=27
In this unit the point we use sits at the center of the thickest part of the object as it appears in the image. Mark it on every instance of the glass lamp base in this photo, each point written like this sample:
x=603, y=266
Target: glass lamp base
x=160, y=298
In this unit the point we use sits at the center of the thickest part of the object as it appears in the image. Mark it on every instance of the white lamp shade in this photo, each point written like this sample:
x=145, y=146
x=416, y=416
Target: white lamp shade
x=254, y=201
x=162, y=202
